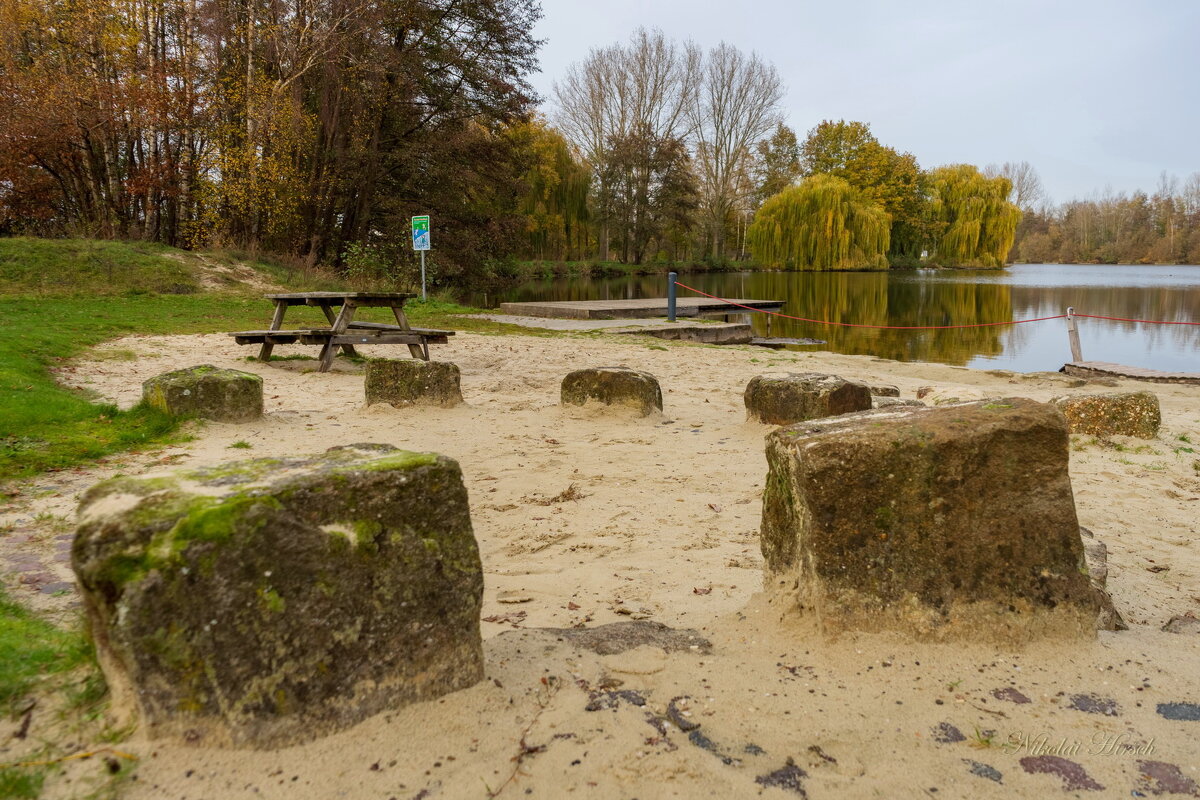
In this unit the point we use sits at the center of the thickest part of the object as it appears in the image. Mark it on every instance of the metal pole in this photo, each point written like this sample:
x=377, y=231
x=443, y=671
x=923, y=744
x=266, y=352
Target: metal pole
x=671, y=296
x=1073, y=336
x=422, y=274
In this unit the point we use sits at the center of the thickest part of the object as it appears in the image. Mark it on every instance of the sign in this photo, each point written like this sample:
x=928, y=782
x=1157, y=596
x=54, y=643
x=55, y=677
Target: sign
x=420, y=232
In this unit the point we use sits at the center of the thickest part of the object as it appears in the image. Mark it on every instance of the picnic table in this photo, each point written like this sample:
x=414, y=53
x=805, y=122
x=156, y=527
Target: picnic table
x=343, y=331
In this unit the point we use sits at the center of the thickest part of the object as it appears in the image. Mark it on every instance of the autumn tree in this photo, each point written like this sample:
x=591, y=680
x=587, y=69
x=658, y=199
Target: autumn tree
x=890, y=178
x=554, y=196
x=979, y=221
x=822, y=224
x=776, y=164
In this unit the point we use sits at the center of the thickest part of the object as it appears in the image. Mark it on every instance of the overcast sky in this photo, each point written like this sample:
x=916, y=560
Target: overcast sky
x=1093, y=94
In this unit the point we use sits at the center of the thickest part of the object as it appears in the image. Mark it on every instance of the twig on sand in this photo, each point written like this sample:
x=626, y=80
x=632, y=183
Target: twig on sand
x=551, y=686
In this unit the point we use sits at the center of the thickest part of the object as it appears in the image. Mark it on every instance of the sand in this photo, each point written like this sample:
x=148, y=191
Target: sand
x=665, y=528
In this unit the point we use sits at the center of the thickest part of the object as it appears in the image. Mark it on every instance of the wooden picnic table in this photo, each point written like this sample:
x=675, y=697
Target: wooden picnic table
x=343, y=331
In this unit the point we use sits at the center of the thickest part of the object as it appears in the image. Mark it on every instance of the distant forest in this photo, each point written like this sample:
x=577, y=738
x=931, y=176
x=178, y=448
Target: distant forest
x=313, y=129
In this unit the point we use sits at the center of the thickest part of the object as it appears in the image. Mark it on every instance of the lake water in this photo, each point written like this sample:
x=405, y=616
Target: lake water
x=951, y=297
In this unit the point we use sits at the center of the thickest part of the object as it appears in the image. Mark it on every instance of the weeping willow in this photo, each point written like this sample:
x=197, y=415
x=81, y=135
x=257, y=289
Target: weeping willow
x=979, y=221
x=822, y=224
x=554, y=203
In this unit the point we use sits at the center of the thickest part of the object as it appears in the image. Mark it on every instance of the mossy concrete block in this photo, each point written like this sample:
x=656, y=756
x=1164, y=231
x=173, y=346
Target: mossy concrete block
x=1112, y=414
x=268, y=602
x=939, y=522
x=223, y=395
x=885, y=390
x=782, y=398
x=409, y=382
x=613, y=386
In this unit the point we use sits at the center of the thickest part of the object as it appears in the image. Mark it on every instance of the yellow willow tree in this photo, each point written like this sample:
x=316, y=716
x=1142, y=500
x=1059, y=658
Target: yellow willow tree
x=822, y=224
x=979, y=222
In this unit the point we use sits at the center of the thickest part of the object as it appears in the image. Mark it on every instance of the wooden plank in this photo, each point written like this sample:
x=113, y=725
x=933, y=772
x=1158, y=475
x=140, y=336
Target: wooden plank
x=410, y=339
x=387, y=327
x=264, y=352
x=327, y=310
x=344, y=318
x=415, y=350
x=1091, y=369
x=646, y=307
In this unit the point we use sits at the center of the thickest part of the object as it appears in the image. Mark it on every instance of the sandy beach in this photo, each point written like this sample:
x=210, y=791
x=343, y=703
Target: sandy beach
x=585, y=518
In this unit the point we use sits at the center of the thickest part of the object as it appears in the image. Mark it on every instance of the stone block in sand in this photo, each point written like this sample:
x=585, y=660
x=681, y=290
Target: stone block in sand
x=223, y=395
x=267, y=602
x=782, y=398
x=941, y=522
x=410, y=381
x=613, y=386
x=1112, y=414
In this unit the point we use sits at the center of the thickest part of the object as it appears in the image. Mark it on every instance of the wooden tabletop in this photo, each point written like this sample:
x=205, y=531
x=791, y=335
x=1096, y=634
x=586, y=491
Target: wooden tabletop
x=336, y=296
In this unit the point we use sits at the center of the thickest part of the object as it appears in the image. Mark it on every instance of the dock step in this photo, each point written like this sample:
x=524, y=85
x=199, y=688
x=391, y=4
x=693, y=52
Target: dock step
x=1092, y=369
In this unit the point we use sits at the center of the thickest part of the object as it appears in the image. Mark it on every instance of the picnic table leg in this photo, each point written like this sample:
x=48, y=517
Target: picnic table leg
x=348, y=349
x=414, y=350
x=264, y=352
x=338, y=327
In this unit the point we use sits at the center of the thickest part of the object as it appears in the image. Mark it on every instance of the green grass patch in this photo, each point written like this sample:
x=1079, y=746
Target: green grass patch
x=52, y=266
x=31, y=648
x=21, y=783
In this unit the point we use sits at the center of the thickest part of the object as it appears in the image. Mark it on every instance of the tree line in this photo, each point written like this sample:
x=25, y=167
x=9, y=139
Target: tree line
x=1116, y=228
x=316, y=128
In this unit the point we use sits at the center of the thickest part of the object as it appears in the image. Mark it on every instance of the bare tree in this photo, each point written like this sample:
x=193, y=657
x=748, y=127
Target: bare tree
x=736, y=106
x=1027, y=190
x=643, y=86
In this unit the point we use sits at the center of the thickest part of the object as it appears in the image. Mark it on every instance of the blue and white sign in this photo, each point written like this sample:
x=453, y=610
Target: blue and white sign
x=420, y=232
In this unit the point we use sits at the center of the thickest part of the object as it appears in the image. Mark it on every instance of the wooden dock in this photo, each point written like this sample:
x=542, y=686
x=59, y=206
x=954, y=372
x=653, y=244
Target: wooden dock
x=1096, y=369
x=648, y=307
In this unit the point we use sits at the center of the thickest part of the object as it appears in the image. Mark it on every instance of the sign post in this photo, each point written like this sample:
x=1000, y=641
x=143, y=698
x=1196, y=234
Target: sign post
x=420, y=237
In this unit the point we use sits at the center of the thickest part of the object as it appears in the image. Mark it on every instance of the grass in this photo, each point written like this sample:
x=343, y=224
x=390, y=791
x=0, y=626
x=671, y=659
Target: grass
x=46, y=266
x=30, y=649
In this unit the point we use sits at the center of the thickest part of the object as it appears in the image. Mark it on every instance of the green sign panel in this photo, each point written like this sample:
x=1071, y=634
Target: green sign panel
x=420, y=232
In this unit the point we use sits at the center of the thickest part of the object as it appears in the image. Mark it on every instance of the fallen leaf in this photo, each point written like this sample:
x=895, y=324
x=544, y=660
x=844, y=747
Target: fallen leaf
x=702, y=590
x=715, y=507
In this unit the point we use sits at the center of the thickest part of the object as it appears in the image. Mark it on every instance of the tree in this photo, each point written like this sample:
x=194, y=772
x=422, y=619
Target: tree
x=735, y=107
x=822, y=224
x=776, y=165
x=890, y=178
x=301, y=127
x=555, y=191
x=1027, y=190
x=979, y=222
x=645, y=85
x=653, y=189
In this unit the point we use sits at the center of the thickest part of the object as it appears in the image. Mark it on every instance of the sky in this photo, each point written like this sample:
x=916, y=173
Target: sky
x=1095, y=95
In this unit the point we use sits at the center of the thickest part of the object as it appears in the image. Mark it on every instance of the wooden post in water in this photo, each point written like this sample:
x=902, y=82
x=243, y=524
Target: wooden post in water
x=1073, y=336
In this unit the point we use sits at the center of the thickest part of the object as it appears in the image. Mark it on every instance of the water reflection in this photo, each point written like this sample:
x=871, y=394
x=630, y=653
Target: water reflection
x=954, y=298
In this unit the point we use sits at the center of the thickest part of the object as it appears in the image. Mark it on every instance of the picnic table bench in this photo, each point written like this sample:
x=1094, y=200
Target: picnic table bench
x=343, y=331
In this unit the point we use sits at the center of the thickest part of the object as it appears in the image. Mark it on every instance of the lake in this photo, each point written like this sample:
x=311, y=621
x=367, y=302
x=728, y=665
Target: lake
x=951, y=297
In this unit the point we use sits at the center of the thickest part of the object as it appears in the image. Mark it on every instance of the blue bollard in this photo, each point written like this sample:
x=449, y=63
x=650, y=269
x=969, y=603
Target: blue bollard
x=671, y=296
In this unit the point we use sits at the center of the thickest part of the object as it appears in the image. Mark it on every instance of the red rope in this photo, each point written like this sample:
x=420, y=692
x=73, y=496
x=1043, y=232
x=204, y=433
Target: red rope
x=879, y=327
x=1148, y=321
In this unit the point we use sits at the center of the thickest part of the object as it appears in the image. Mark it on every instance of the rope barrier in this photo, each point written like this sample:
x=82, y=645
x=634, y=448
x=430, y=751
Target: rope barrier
x=922, y=327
